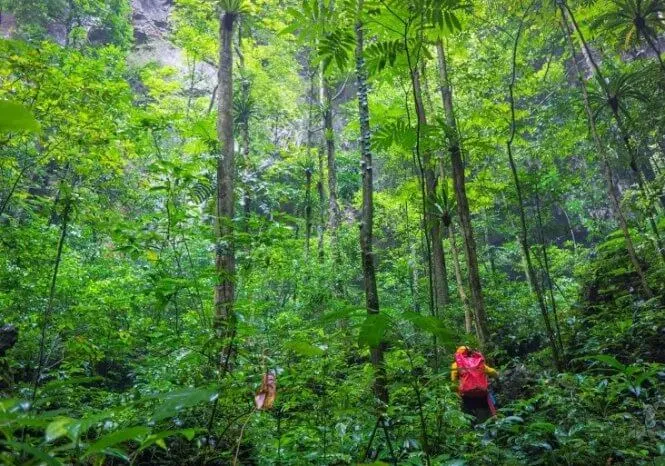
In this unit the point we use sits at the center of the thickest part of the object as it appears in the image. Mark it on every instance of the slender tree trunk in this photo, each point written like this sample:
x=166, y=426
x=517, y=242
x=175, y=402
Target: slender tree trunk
x=225, y=322
x=329, y=141
x=333, y=204
x=468, y=314
x=623, y=131
x=413, y=260
x=449, y=228
x=5, y=202
x=548, y=275
x=570, y=228
x=308, y=170
x=615, y=203
x=432, y=218
x=436, y=231
x=523, y=237
x=427, y=180
x=457, y=164
x=320, y=188
x=366, y=225
x=654, y=47
x=245, y=85
x=418, y=163
x=46, y=319
x=308, y=209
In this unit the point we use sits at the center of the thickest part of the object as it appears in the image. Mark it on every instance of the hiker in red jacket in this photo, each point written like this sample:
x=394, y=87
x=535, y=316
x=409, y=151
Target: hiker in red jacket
x=470, y=368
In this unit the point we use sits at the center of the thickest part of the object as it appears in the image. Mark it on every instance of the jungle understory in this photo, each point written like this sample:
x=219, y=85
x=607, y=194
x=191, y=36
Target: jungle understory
x=240, y=232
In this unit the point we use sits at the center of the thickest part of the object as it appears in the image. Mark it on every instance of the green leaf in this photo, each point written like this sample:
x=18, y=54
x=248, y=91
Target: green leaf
x=373, y=330
x=16, y=117
x=158, y=438
x=114, y=438
x=431, y=325
x=58, y=428
x=337, y=314
x=174, y=402
x=609, y=360
x=303, y=348
x=35, y=452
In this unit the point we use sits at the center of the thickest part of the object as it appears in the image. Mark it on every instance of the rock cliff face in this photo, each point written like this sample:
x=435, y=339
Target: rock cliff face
x=150, y=19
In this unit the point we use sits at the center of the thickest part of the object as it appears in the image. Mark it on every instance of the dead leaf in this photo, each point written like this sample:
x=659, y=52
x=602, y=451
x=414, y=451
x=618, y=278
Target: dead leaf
x=265, y=397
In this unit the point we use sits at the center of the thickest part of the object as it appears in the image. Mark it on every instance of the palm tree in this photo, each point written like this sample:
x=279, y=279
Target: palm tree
x=614, y=96
x=615, y=202
x=636, y=20
x=613, y=93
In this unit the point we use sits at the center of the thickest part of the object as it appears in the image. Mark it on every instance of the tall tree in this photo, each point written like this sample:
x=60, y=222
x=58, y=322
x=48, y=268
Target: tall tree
x=613, y=97
x=225, y=322
x=523, y=235
x=463, y=210
x=325, y=99
x=615, y=202
x=243, y=109
x=331, y=160
x=636, y=20
x=432, y=216
x=367, y=218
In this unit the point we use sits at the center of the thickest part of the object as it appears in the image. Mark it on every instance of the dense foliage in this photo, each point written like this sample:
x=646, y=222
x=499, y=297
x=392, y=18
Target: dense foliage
x=509, y=195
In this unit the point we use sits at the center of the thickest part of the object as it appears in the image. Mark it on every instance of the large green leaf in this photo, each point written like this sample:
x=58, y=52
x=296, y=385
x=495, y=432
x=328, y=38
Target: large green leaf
x=373, y=330
x=158, y=437
x=303, y=348
x=114, y=438
x=173, y=402
x=58, y=428
x=16, y=117
x=42, y=456
x=431, y=325
x=609, y=360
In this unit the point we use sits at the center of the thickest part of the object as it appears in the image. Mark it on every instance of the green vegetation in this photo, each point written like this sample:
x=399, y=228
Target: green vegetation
x=340, y=193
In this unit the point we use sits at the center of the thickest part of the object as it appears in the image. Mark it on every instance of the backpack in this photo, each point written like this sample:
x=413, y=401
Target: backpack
x=471, y=371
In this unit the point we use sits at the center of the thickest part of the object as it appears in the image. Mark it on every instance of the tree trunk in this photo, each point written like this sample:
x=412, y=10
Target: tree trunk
x=468, y=315
x=225, y=323
x=308, y=209
x=626, y=136
x=437, y=232
x=457, y=164
x=320, y=188
x=367, y=219
x=329, y=141
x=245, y=85
x=432, y=218
x=615, y=203
x=308, y=170
x=548, y=275
x=523, y=237
x=46, y=320
x=655, y=49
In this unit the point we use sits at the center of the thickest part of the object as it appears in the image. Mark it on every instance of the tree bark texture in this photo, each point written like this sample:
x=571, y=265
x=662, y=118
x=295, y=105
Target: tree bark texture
x=225, y=324
x=367, y=218
x=329, y=142
x=463, y=210
x=432, y=217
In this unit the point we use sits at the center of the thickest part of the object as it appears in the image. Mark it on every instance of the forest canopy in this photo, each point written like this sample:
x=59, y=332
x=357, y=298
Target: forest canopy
x=278, y=232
